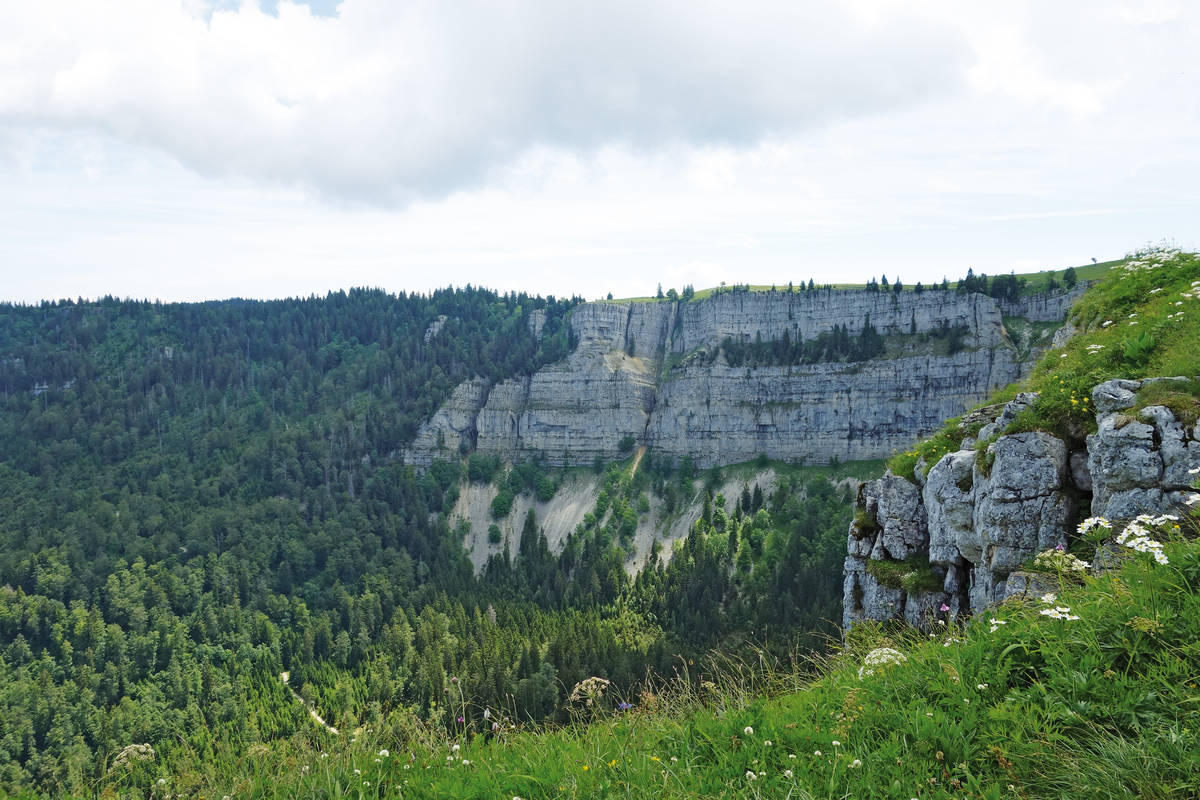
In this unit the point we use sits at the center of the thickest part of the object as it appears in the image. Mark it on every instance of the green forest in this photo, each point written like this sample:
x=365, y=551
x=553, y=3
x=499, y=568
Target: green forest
x=197, y=498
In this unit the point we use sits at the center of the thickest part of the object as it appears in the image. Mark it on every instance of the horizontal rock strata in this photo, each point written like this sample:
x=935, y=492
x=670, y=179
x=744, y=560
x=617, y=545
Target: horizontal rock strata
x=653, y=372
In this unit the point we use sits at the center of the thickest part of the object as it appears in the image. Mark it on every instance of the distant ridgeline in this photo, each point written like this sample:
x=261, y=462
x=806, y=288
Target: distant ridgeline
x=816, y=375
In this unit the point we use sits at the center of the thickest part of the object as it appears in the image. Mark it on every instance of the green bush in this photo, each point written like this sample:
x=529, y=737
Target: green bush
x=502, y=504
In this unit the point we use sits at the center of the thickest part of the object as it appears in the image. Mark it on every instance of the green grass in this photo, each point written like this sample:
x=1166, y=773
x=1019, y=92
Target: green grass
x=912, y=575
x=1104, y=706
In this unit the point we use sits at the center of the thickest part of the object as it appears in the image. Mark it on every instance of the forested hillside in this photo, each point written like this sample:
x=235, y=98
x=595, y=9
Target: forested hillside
x=196, y=498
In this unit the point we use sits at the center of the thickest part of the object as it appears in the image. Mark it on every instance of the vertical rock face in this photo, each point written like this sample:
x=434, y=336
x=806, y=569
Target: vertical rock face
x=451, y=430
x=891, y=526
x=654, y=372
x=986, y=514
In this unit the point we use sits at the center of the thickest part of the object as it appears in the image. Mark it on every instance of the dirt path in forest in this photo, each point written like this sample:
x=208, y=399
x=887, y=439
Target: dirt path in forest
x=285, y=677
x=637, y=459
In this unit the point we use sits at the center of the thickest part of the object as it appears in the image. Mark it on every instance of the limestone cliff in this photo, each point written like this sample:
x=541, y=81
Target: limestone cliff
x=656, y=372
x=974, y=518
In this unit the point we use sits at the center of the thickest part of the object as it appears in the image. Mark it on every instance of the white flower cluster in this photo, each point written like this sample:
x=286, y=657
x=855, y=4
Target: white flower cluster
x=879, y=658
x=996, y=623
x=1091, y=523
x=1058, y=612
x=1150, y=258
x=132, y=754
x=1095, y=348
x=1061, y=561
x=1137, y=537
x=589, y=690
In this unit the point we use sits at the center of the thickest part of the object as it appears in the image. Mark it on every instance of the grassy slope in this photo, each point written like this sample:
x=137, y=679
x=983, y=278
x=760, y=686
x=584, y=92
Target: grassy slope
x=1103, y=706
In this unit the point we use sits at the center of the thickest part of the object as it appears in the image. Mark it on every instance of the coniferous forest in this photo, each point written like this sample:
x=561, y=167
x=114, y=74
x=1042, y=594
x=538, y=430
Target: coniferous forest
x=198, y=498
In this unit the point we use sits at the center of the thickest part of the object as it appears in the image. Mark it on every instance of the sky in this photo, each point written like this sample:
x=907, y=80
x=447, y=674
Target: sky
x=204, y=149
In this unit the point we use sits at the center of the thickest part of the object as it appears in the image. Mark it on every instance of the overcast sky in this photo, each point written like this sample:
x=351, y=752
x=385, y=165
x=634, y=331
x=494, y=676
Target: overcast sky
x=190, y=149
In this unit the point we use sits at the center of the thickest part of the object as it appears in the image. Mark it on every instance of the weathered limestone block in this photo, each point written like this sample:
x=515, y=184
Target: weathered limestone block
x=1022, y=509
x=896, y=504
x=863, y=597
x=1179, y=450
x=949, y=496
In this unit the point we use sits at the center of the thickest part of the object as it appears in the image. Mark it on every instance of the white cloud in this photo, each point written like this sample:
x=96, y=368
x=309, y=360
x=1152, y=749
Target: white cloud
x=389, y=101
x=157, y=151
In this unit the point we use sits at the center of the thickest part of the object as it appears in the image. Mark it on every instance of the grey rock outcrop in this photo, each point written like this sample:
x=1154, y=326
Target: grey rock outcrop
x=1138, y=463
x=654, y=371
x=451, y=430
x=987, y=513
x=891, y=526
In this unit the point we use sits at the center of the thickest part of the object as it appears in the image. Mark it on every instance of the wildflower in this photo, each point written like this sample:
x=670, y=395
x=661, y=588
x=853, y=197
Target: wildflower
x=748, y=730
x=836, y=743
x=1091, y=523
x=674, y=759
x=816, y=752
x=384, y=754
x=1106, y=323
x=1191, y=501
x=132, y=754
x=454, y=679
x=589, y=690
x=586, y=767
x=879, y=658
x=623, y=706
x=1194, y=471
x=358, y=772
x=304, y=768
x=1049, y=597
x=944, y=607
x=1059, y=612
x=487, y=713
x=1136, y=537
x=996, y=623
x=162, y=781
x=1060, y=560
x=787, y=773
x=981, y=686
x=466, y=763
x=792, y=756
x=855, y=764
x=324, y=755
x=767, y=743
x=454, y=748
x=751, y=775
